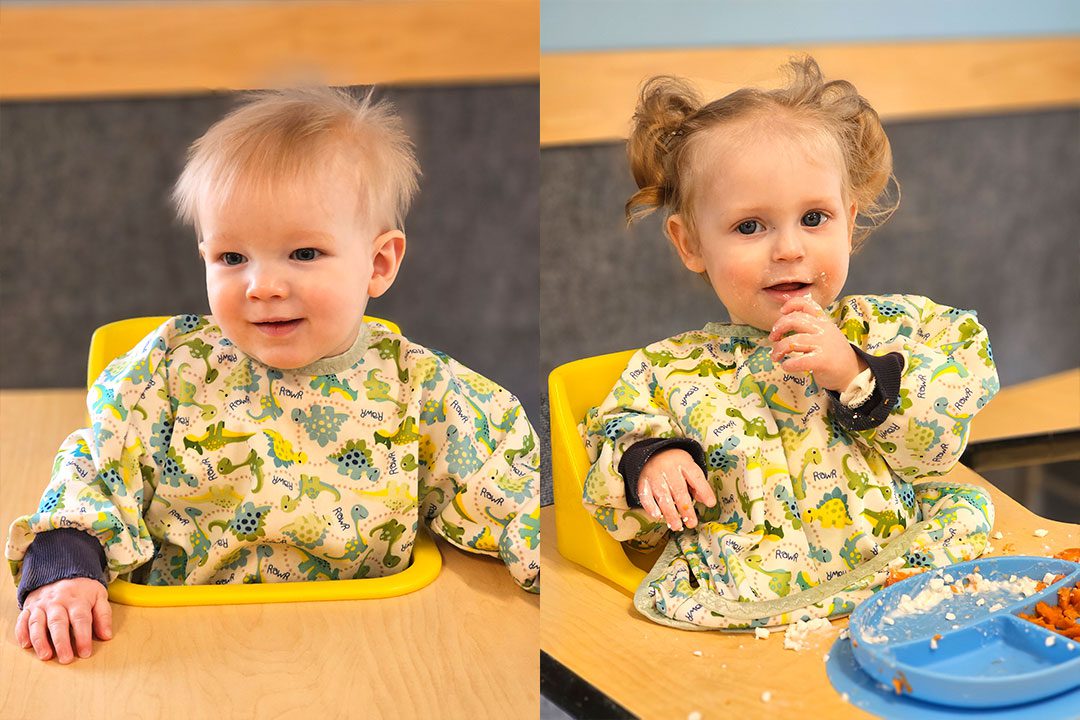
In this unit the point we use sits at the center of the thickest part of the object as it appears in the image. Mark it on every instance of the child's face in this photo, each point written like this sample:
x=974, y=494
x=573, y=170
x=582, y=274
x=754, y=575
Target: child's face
x=288, y=275
x=771, y=224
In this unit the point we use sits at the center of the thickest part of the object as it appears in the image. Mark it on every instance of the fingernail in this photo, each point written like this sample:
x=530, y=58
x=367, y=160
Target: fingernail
x=42, y=654
x=84, y=653
x=108, y=633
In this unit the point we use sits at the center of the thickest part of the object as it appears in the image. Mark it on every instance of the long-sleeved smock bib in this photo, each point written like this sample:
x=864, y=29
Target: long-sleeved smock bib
x=815, y=504
x=202, y=465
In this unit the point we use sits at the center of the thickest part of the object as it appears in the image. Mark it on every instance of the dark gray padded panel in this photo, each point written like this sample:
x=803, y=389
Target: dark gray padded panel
x=88, y=236
x=988, y=221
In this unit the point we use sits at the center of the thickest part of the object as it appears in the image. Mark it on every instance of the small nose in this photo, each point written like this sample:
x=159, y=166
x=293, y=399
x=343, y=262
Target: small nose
x=788, y=245
x=264, y=283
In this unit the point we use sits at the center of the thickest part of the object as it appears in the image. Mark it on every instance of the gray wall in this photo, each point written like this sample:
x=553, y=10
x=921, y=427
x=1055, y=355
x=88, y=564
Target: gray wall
x=988, y=221
x=87, y=235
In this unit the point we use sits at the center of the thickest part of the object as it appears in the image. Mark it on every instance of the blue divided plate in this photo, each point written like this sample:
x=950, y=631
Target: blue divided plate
x=986, y=656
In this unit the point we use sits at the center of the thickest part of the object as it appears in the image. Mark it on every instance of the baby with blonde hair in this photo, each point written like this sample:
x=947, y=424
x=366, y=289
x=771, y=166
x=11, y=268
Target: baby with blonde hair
x=283, y=437
x=783, y=455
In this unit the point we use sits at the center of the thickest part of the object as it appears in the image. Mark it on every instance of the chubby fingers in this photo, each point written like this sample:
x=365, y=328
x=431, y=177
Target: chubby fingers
x=60, y=631
x=666, y=503
x=103, y=616
x=699, y=485
x=22, y=629
x=798, y=322
x=802, y=303
x=39, y=633
x=680, y=494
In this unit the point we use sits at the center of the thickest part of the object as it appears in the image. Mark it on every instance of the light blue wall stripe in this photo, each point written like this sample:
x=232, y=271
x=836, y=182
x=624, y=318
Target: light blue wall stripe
x=573, y=25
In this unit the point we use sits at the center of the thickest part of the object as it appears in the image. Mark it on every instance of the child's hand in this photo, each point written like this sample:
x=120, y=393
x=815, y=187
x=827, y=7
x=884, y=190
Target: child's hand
x=815, y=345
x=61, y=609
x=665, y=486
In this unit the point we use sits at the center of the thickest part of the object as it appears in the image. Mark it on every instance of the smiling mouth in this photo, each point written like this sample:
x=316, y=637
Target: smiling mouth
x=788, y=287
x=278, y=327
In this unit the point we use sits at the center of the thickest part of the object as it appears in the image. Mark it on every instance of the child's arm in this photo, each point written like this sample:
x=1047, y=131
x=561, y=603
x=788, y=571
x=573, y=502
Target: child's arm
x=479, y=468
x=89, y=522
x=932, y=369
x=629, y=437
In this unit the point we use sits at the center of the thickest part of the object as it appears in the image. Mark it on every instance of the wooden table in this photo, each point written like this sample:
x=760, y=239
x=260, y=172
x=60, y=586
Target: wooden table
x=1028, y=424
x=464, y=646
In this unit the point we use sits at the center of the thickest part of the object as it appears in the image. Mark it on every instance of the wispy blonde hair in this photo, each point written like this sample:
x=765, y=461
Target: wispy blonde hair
x=671, y=121
x=281, y=135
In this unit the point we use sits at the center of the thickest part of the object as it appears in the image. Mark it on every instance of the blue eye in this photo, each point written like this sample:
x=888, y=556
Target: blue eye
x=814, y=219
x=232, y=258
x=747, y=227
x=305, y=254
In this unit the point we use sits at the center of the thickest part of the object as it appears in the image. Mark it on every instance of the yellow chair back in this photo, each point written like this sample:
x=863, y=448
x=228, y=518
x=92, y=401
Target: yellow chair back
x=573, y=388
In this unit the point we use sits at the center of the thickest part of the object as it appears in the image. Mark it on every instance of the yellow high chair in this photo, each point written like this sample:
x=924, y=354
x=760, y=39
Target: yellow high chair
x=573, y=388
x=114, y=339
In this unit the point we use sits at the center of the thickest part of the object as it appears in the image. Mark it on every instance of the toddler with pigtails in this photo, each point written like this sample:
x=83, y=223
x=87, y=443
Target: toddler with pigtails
x=786, y=457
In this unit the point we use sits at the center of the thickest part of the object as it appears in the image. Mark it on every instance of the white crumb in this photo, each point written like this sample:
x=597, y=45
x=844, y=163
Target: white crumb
x=1069, y=646
x=766, y=696
x=1012, y=578
x=955, y=627
x=761, y=633
x=795, y=636
x=1048, y=578
x=997, y=535
x=933, y=643
x=698, y=653
x=989, y=548
x=1050, y=641
x=696, y=715
x=845, y=697
x=950, y=616
x=825, y=657
x=995, y=607
x=889, y=621
x=980, y=602
x=1040, y=532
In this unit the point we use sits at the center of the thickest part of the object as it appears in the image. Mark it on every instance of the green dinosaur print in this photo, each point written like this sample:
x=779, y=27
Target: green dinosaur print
x=315, y=567
x=214, y=438
x=885, y=522
x=354, y=460
x=356, y=544
x=860, y=481
x=310, y=486
x=753, y=427
x=109, y=400
x=247, y=524
x=186, y=393
x=663, y=358
x=269, y=407
x=961, y=421
x=200, y=543
x=811, y=457
x=222, y=496
x=308, y=530
x=321, y=424
x=379, y=390
x=201, y=350
x=390, y=349
x=527, y=447
x=769, y=396
x=406, y=433
x=262, y=552
x=389, y=532
x=779, y=580
x=705, y=368
x=254, y=461
x=850, y=553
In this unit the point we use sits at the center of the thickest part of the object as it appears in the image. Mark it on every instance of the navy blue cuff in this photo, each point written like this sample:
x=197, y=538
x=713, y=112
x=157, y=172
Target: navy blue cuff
x=59, y=555
x=886, y=370
x=635, y=457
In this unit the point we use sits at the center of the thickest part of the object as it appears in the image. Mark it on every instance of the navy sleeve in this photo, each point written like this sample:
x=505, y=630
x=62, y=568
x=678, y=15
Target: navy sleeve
x=635, y=457
x=886, y=370
x=59, y=555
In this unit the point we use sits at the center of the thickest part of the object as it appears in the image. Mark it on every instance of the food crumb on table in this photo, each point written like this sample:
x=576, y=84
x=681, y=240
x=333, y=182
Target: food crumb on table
x=766, y=696
x=1040, y=532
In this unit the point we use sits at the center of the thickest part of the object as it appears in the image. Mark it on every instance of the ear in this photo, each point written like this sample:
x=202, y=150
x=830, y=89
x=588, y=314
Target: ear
x=685, y=243
x=387, y=251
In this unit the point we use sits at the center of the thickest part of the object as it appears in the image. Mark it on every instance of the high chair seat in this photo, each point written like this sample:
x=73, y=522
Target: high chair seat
x=116, y=338
x=573, y=388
